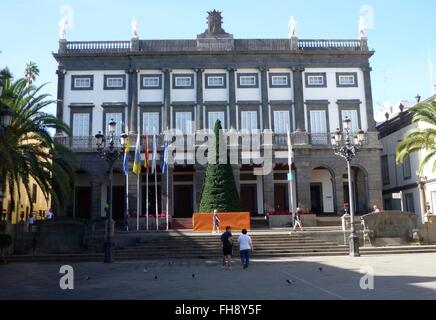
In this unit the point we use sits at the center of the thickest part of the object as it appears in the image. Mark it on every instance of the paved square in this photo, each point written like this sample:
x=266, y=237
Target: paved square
x=411, y=276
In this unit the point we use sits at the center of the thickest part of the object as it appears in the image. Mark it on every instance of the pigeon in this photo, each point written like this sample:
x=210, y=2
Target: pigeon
x=193, y=275
x=320, y=269
x=155, y=277
x=290, y=281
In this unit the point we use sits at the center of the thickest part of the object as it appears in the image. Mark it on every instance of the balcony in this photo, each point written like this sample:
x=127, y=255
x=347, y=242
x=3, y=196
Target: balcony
x=189, y=142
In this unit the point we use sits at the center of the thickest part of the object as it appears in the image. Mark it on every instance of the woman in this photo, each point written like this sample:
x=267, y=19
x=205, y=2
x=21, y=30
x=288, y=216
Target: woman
x=216, y=222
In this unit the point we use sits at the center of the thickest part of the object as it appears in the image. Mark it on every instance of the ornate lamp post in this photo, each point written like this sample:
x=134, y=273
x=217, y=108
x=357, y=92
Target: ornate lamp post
x=347, y=147
x=110, y=154
x=5, y=113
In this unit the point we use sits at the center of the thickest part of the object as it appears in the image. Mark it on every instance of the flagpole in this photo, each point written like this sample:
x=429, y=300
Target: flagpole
x=147, y=199
x=168, y=173
x=155, y=191
x=291, y=182
x=138, y=202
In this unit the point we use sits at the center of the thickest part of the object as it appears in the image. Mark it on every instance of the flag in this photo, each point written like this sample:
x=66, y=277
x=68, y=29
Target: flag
x=165, y=160
x=126, y=159
x=153, y=165
x=147, y=162
x=137, y=161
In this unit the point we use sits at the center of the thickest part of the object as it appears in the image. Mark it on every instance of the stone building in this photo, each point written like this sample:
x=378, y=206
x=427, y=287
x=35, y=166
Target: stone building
x=403, y=187
x=259, y=85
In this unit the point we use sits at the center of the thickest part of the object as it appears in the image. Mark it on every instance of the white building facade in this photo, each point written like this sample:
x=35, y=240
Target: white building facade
x=146, y=86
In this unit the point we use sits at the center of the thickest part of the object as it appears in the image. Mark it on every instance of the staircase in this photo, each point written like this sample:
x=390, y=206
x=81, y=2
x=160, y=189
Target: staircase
x=181, y=224
x=209, y=246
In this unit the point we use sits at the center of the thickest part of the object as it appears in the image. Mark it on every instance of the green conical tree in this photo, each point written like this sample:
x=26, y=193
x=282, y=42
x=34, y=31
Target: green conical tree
x=219, y=188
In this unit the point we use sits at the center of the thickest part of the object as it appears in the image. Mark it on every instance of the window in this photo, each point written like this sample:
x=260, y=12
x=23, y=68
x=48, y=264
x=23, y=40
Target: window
x=184, y=122
x=316, y=80
x=183, y=81
x=385, y=170
x=281, y=121
x=213, y=116
x=150, y=123
x=348, y=79
x=114, y=82
x=410, y=205
x=214, y=81
x=318, y=127
x=248, y=80
x=82, y=82
x=249, y=120
x=407, y=172
x=151, y=81
x=353, y=116
x=81, y=124
x=279, y=80
x=34, y=193
x=118, y=118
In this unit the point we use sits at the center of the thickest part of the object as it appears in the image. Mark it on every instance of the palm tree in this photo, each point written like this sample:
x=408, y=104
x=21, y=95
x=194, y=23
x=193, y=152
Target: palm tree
x=27, y=149
x=422, y=138
x=31, y=72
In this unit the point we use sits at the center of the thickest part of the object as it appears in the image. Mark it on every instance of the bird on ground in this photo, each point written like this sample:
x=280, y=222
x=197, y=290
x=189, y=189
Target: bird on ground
x=290, y=281
x=155, y=277
x=193, y=275
x=320, y=269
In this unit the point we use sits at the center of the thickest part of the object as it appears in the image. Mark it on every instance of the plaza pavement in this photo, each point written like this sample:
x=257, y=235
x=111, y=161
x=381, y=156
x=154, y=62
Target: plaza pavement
x=406, y=276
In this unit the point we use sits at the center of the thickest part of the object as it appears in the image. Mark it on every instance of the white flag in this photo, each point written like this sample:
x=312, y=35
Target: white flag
x=153, y=164
x=290, y=151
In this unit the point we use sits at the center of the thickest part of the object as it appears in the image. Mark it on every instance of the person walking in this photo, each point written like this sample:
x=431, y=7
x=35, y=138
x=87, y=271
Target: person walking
x=297, y=219
x=31, y=222
x=216, y=222
x=126, y=220
x=227, y=241
x=49, y=214
x=245, y=245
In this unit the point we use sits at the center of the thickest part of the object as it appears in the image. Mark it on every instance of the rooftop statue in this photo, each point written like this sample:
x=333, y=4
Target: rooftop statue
x=214, y=22
x=292, y=27
x=363, y=25
x=63, y=25
x=135, y=28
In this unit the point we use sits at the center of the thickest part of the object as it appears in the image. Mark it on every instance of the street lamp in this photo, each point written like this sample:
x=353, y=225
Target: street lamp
x=347, y=147
x=110, y=154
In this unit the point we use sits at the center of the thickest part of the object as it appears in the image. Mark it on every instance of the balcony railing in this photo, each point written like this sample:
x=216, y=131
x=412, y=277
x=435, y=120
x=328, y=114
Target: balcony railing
x=353, y=45
x=188, y=142
x=97, y=46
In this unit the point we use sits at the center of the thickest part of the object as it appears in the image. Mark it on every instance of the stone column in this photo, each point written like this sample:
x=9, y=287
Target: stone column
x=96, y=196
x=232, y=98
x=60, y=96
x=133, y=190
x=167, y=98
x=199, y=181
x=339, y=191
x=133, y=101
x=303, y=185
x=368, y=97
x=265, y=100
x=299, y=98
x=164, y=194
x=199, y=118
x=268, y=192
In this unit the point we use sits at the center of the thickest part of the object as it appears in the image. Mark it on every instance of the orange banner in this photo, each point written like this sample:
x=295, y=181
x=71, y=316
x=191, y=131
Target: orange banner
x=203, y=222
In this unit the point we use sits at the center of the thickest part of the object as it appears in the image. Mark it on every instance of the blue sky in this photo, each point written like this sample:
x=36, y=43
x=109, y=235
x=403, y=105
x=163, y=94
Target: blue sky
x=402, y=34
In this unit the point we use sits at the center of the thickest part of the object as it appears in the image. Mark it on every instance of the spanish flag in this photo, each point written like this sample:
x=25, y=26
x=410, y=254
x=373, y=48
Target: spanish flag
x=137, y=161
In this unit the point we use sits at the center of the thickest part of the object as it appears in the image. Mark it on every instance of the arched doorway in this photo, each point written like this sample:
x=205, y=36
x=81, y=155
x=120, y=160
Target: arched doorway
x=118, y=194
x=322, y=190
x=359, y=187
x=82, y=204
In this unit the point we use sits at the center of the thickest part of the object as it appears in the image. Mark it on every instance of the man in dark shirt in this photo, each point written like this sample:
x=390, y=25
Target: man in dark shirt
x=227, y=241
